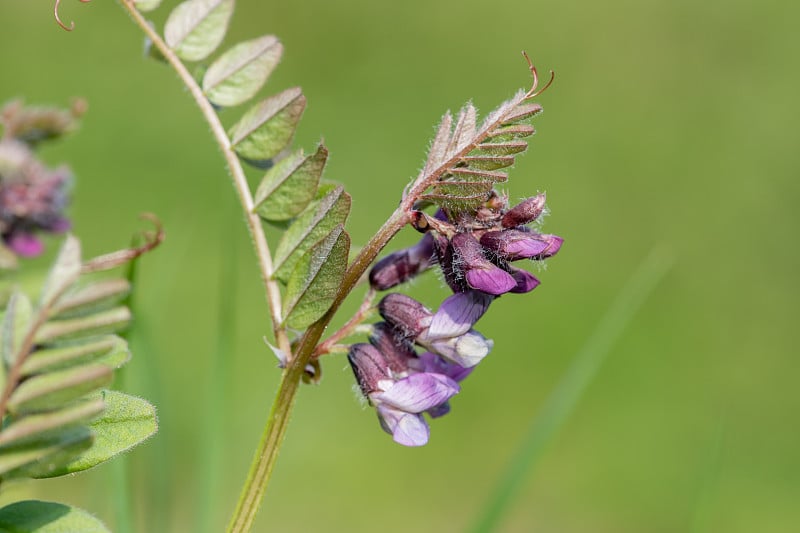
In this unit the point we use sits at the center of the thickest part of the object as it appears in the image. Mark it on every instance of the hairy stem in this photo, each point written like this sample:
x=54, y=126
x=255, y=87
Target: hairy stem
x=345, y=331
x=236, y=171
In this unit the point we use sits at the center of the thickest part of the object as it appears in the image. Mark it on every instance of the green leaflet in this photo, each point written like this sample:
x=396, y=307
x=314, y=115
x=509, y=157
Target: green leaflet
x=266, y=129
x=487, y=161
x=126, y=421
x=501, y=148
x=238, y=74
x=320, y=217
x=45, y=424
x=316, y=279
x=522, y=112
x=96, y=324
x=46, y=391
x=288, y=187
x=146, y=5
x=110, y=350
x=65, y=272
x=91, y=298
x=37, y=457
x=195, y=28
x=47, y=517
x=16, y=324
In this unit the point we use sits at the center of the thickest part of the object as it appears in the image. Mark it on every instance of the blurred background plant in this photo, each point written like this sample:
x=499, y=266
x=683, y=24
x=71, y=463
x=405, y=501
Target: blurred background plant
x=669, y=124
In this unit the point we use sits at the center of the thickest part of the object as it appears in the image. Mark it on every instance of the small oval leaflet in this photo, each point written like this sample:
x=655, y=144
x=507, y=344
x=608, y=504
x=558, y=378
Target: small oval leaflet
x=48, y=391
x=289, y=186
x=147, y=5
x=268, y=127
x=238, y=74
x=329, y=210
x=196, y=28
x=316, y=279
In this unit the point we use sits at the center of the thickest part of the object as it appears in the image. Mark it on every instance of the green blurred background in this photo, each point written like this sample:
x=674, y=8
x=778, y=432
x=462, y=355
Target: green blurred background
x=670, y=123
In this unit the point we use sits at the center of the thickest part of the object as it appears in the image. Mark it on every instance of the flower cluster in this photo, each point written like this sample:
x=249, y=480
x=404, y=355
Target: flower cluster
x=474, y=251
x=32, y=196
x=401, y=384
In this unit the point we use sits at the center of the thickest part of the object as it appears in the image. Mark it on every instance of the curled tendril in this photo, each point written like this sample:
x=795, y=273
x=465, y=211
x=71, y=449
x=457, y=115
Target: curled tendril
x=151, y=239
x=58, y=18
x=533, y=92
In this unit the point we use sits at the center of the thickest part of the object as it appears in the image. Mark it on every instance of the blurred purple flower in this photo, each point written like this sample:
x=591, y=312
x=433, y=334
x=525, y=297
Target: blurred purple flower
x=32, y=199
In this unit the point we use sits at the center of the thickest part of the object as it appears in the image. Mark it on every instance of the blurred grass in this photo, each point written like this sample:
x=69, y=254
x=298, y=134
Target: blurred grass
x=669, y=122
x=566, y=395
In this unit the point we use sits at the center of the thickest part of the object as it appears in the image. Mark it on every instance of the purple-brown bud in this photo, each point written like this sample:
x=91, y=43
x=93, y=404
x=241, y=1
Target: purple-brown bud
x=524, y=212
x=369, y=367
x=397, y=350
x=402, y=265
x=512, y=244
x=408, y=316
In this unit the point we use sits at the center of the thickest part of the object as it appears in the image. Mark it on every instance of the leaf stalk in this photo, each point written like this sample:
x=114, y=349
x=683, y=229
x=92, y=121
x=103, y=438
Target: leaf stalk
x=236, y=171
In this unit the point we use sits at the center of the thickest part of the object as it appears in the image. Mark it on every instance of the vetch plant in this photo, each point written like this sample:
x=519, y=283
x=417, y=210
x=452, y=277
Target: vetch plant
x=416, y=358
x=59, y=344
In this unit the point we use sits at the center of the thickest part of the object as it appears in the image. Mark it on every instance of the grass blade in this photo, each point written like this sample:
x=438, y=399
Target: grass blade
x=563, y=399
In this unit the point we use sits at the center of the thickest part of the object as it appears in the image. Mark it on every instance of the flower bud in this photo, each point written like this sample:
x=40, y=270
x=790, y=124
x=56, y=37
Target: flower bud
x=397, y=351
x=524, y=212
x=554, y=243
x=408, y=316
x=513, y=245
x=369, y=367
x=401, y=266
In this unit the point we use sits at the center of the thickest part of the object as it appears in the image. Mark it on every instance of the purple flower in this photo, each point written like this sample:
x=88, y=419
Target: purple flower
x=400, y=398
x=449, y=332
x=526, y=281
x=512, y=244
x=474, y=249
x=431, y=362
x=32, y=199
x=478, y=271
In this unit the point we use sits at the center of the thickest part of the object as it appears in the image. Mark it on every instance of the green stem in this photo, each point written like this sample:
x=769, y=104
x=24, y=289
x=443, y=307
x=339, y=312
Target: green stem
x=264, y=460
x=278, y=419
